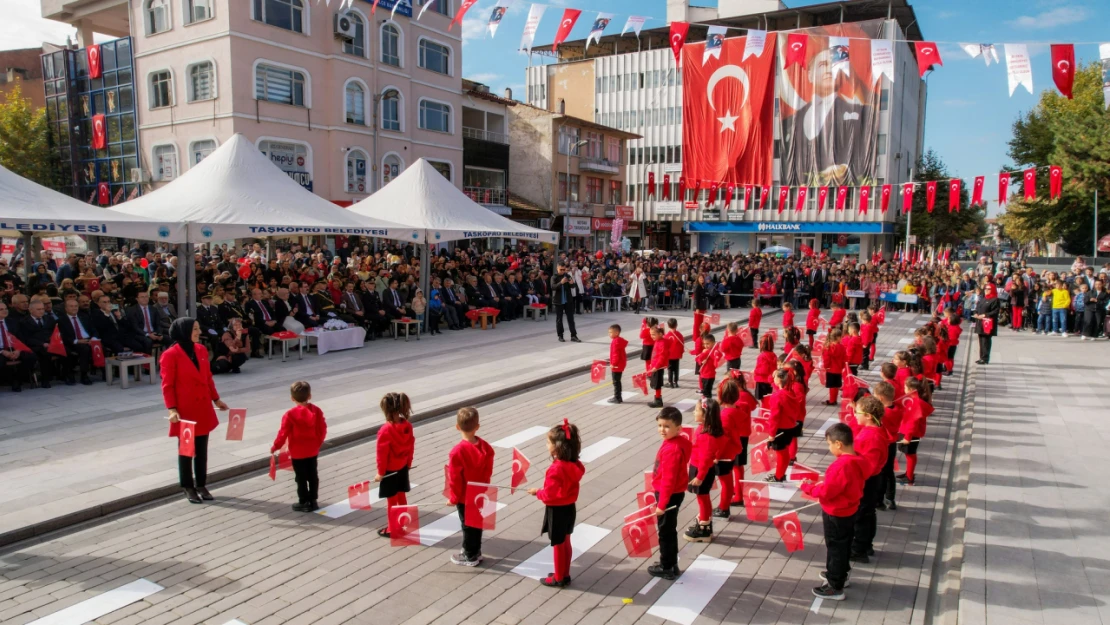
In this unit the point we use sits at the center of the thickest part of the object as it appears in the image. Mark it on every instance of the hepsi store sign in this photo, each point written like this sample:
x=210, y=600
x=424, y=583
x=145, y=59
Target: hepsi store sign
x=291, y=159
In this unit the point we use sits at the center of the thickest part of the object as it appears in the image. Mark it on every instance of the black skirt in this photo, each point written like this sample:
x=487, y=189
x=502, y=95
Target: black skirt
x=832, y=380
x=558, y=523
x=706, y=486
x=398, y=482
x=782, y=438
x=645, y=353
x=742, y=457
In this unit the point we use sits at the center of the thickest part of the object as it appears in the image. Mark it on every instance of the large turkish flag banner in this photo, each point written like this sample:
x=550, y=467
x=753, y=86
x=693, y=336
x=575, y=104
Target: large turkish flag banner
x=100, y=136
x=728, y=112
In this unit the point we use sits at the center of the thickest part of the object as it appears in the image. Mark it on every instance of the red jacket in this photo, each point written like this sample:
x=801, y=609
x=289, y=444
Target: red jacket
x=954, y=332
x=798, y=396
x=914, y=413
x=899, y=387
x=618, y=354
x=468, y=462
x=658, y=359
x=838, y=316
x=835, y=357
x=706, y=450
x=929, y=364
x=754, y=317
x=732, y=419
x=670, y=476
x=892, y=420
x=561, y=482
x=807, y=365
x=303, y=426
x=867, y=332
x=396, y=445
x=812, y=318
x=645, y=333
x=787, y=319
x=189, y=389
x=853, y=345
x=842, y=487
x=765, y=365
x=782, y=410
x=710, y=360
x=871, y=444
x=676, y=344
x=900, y=380
x=732, y=347
x=742, y=416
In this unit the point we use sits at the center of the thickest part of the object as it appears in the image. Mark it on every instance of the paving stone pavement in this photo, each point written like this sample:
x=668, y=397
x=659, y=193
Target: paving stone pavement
x=1036, y=548
x=247, y=556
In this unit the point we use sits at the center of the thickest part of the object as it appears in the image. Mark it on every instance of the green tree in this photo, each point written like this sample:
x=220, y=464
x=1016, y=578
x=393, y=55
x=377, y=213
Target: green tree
x=1074, y=135
x=24, y=139
x=942, y=227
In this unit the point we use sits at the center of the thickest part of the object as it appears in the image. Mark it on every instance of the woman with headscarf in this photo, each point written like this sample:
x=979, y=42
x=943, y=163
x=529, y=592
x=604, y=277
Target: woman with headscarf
x=986, y=321
x=189, y=394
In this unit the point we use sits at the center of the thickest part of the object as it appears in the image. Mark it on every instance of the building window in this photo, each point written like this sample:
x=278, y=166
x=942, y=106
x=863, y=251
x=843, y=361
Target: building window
x=435, y=116
x=613, y=152
x=568, y=140
x=158, y=17
x=287, y=14
x=593, y=145
x=443, y=7
x=882, y=143
x=202, y=81
x=164, y=162
x=884, y=99
x=355, y=106
x=391, y=168
x=357, y=45
x=594, y=191
x=443, y=167
x=277, y=84
x=391, y=45
x=356, y=171
x=615, y=191
x=573, y=187
x=197, y=11
x=435, y=57
x=391, y=110
x=631, y=193
x=198, y=150
x=161, y=89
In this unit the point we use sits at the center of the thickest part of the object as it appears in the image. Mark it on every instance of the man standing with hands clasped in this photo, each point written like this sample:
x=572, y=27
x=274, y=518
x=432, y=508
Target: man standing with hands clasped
x=563, y=292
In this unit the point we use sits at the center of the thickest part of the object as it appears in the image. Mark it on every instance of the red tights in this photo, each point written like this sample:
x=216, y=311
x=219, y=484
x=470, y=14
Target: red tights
x=705, y=508
x=833, y=394
x=782, y=460
x=911, y=464
x=397, y=500
x=738, y=480
x=562, y=557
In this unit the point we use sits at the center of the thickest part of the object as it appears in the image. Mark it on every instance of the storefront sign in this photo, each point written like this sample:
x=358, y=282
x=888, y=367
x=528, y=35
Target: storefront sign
x=54, y=246
x=901, y=298
x=404, y=7
x=626, y=213
x=691, y=206
x=875, y=227
x=600, y=223
x=668, y=208
x=672, y=168
x=7, y=248
x=576, y=226
x=856, y=294
x=711, y=214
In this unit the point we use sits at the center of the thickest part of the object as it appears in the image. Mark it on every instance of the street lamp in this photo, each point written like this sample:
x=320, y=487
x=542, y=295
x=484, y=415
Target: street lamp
x=570, y=148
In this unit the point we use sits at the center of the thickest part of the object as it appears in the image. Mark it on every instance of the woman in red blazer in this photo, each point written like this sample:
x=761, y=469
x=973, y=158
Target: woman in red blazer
x=189, y=393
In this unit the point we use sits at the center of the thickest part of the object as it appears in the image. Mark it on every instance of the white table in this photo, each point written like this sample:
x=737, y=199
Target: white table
x=125, y=367
x=535, y=312
x=335, y=340
x=270, y=340
x=617, y=300
x=408, y=325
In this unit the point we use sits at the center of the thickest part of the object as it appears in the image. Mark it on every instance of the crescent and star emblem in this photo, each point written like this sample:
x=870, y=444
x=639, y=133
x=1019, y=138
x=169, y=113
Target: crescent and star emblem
x=516, y=466
x=636, y=533
x=926, y=51
x=753, y=494
x=403, y=521
x=567, y=22
x=886, y=191
x=796, y=46
x=1028, y=176
x=955, y=186
x=1064, y=66
x=790, y=524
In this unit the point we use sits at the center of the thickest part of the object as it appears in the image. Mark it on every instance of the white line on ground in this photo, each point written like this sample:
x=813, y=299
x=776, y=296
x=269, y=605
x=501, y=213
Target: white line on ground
x=781, y=493
x=905, y=341
x=444, y=527
x=343, y=508
x=600, y=448
x=582, y=540
x=520, y=437
x=693, y=590
x=816, y=605
x=684, y=372
x=648, y=586
x=825, y=428
x=102, y=604
x=685, y=405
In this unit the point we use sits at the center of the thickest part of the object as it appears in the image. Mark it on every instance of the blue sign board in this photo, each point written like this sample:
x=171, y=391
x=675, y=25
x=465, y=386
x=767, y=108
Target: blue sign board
x=788, y=227
x=405, y=7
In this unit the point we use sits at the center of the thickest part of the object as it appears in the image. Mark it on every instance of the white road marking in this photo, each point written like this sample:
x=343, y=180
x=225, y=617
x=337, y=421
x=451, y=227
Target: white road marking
x=625, y=395
x=782, y=493
x=520, y=437
x=684, y=372
x=343, y=508
x=816, y=604
x=685, y=405
x=582, y=540
x=825, y=428
x=693, y=590
x=444, y=527
x=648, y=586
x=600, y=448
x=101, y=605
x=905, y=341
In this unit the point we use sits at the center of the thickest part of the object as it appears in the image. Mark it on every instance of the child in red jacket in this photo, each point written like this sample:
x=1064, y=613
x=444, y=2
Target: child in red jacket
x=699, y=344
x=708, y=442
x=304, y=428
x=867, y=331
x=784, y=416
x=813, y=320
x=791, y=338
x=739, y=414
x=834, y=356
x=787, y=315
x=669, y=479
x=915, y=410
x=952, y=324
x=892, y=421
x=656, y=366
x=765, y=366
x=839, y=493
x=838, y=315
x=646, y=338
x=618, y=360
x=889, y=372
x=709, y=360
x=754, y=317
x=396, y=445
x=676, y=344
x=728, y=393
x=871, y=443
x=798, y=391
x=732, y=346
x=853, y=346
x=559, y=494
x=471, y=460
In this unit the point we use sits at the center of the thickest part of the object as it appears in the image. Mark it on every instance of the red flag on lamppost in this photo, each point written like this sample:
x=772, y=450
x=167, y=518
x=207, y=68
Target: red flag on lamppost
x=1003, y=188
x=907, y=197
x=887, y=190
x=1055, y=182
x=1063, y=67
x=977, y=192
x=954, y=195
x=1029, y=183
x=930, y=195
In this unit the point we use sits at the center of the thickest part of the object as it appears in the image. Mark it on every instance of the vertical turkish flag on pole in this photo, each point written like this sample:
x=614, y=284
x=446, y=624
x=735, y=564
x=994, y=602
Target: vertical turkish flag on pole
x=748, y=190
x=678, y=39
x=103, y=194
x=822, y=198
x=96, y=67
x=597, y=371
x=907, y=197
x=570, y=16
x=977, y=191
x=790, y=529
x=1029, y=183
x=802, y=193
x=358, y=496
x=404, y=526
x=954, y=195
x=481, y=506
x=99, y=138
x=520, y=470
x=864, y=199
x=187, y=438
x=639, y=534
x=1063, y=67
x=730, y=189
x=757, y=498
x=651, y=184
x=796, y=46
x=841, y=198
x=764, y=195
x=927, y=56
x=666, y=186
x=887, y=190
x=784, y=196
x=711, y=199
x=1003, y=188
x=1055, y=182
x=463, y=8
x=930, y=195
x=236, y=421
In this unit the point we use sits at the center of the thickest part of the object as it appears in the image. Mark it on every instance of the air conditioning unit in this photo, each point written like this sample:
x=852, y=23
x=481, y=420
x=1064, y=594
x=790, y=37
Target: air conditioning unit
x=344, y=27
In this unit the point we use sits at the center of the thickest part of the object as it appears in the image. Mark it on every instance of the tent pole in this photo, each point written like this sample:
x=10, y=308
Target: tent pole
x=191, y=288
x=28, y=255
x=425, y=272
x=182, y=277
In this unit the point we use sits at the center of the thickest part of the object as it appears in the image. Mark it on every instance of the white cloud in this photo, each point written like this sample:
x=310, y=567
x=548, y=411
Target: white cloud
x=474, y=28
x=24, y=27
x=1060, y=16
x=484, y=77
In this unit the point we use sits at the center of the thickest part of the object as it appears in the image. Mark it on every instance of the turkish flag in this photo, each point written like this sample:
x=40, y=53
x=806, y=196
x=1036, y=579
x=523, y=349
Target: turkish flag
x=651, y=184
x=481, y=506
x=841, y=198
x=646, y=498
x=784, y=196
x=715, y=318
x=907, y=197
x=358, y=496
x=97, y=356
x=99, y=134
x=807, y=251
x=887, y=190
x=757, y=498
x=729, y=190
x=273, y=467
x=96, y=67
x=103, y=194
x=977, y=191
x=988, y=326
x=927, y=56
x=639, y=535
x=761, y=460
x=689, y=433
x=711, y=199
x=597, y=371
x=55, y=346
x=910, y=409
x=790, y=528
x=666, y=186
x=284, y=462
x=648, y=476
x=463, y=8
x=930, y=195
x=678, y=39
x=864, y=199
x=520, y=470
x=800, y=473
x=852, y=384
x=236, y=421
x=796, y=45
x=682, y=187
x=1063, y=67
x=748, y=190
x=640, y=381
x=822, y=198
x=1003, y=188
x=1029, y=183
x=764, y=195
x=801, y=204
x=1055, y=182
x=819, y=368
x=954, y=195
x=404, y=526
x=570, y=16
x=187, y=438
x=746, y=337
x=728, y=114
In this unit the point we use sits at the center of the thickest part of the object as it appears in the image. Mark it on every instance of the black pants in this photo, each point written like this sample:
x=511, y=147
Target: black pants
x=223, y=365
x=867, y=356
x=568, y=310
x=308, y=482
x=866, y=523
x=197, y=465
x=985, y=347
x=472, y=537
x=433, y=321
x=617, y=392
x=888, y=472
x=668, y=532
x=80, y=356
x=672, y=370
x=20, y=371
x=733, y=364
x=707, y=387
x=838, y=547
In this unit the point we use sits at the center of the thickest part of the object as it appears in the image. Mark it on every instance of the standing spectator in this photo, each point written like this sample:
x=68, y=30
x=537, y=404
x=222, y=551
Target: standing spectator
x=562, y=294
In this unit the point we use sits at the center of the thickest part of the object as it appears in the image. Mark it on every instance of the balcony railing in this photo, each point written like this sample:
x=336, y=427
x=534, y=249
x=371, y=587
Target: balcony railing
x=487, y=195
x=598, y=165
x=485, y=135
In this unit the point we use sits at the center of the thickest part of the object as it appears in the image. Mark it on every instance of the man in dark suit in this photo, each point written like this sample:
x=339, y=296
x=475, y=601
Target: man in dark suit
x=145, y=317
x=115, y=333
x=817, y=276
x=377, y=320
x=35, y=332
x=789, y=283
x=261, y=315
x=562, y=296
x=208, y=316
x=395, y=306
x=495, y=296
x=308, y=309
x=451, y=298
x=76, y=330
x=13, y=360
x=283, y=307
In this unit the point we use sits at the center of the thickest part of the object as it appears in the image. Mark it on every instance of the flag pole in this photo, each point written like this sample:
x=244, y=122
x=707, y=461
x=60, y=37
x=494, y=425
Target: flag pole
x=1094, y=244
x=796, y=510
